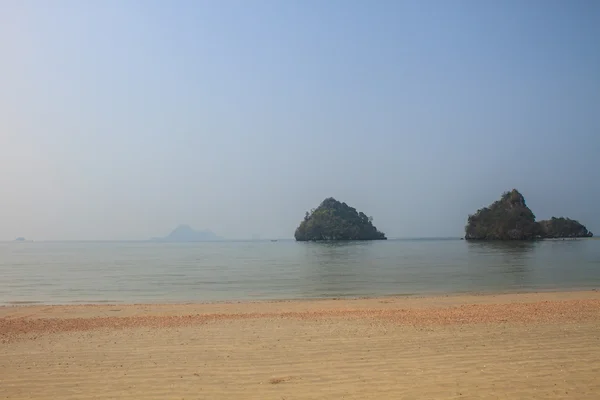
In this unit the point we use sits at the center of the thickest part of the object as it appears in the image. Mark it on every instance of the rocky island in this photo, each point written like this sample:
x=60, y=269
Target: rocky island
x=334, y=220
x=510, y=219
x=185, y=233
x=563, y=228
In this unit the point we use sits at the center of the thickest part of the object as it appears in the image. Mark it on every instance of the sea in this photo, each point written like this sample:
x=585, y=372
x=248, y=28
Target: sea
x=151, y=272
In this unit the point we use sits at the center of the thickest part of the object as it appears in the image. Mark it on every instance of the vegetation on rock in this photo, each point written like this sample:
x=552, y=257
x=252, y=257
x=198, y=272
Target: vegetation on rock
x=563, y=228
x=506, y=219
x=510, y=219
x=334, y=220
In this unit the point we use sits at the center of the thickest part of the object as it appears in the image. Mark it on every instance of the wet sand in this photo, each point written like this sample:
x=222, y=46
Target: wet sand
x=542, y=345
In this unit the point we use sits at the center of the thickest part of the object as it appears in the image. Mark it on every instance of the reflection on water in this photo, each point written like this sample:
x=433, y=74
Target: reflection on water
x=159, y=272
x=336, y=268
x=507, y=266
x=509, y=247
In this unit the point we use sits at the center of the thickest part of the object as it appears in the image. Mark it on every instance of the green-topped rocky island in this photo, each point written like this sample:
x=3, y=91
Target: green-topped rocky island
x=510, y=219
x=334, y=220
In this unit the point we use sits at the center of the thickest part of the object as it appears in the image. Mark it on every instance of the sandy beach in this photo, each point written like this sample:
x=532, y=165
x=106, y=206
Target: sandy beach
x=540, y=345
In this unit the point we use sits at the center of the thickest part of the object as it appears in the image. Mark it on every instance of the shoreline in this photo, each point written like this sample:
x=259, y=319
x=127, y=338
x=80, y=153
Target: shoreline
x=563, y=306
x=424, y=295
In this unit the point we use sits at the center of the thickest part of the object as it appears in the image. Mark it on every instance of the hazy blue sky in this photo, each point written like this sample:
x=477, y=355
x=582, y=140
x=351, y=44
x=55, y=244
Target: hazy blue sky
x=122, y=119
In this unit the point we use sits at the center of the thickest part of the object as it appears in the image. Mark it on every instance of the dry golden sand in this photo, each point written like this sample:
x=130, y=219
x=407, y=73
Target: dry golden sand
x=544, y=345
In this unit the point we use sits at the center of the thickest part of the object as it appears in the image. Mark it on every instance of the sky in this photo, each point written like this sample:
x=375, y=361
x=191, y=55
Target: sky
x=121, y=119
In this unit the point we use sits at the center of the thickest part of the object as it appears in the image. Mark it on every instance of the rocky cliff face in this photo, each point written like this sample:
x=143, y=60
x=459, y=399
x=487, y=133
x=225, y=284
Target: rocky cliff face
x=506, y=219
x=510, y=219
x=563, y=228
x=334, y=220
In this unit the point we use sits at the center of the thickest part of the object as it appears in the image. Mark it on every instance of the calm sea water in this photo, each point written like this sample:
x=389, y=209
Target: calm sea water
x=92, y=272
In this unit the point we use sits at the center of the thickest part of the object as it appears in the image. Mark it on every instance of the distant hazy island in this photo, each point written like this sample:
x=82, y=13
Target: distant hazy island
x=510, y=219
x=334, y=220
x=185, y=233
